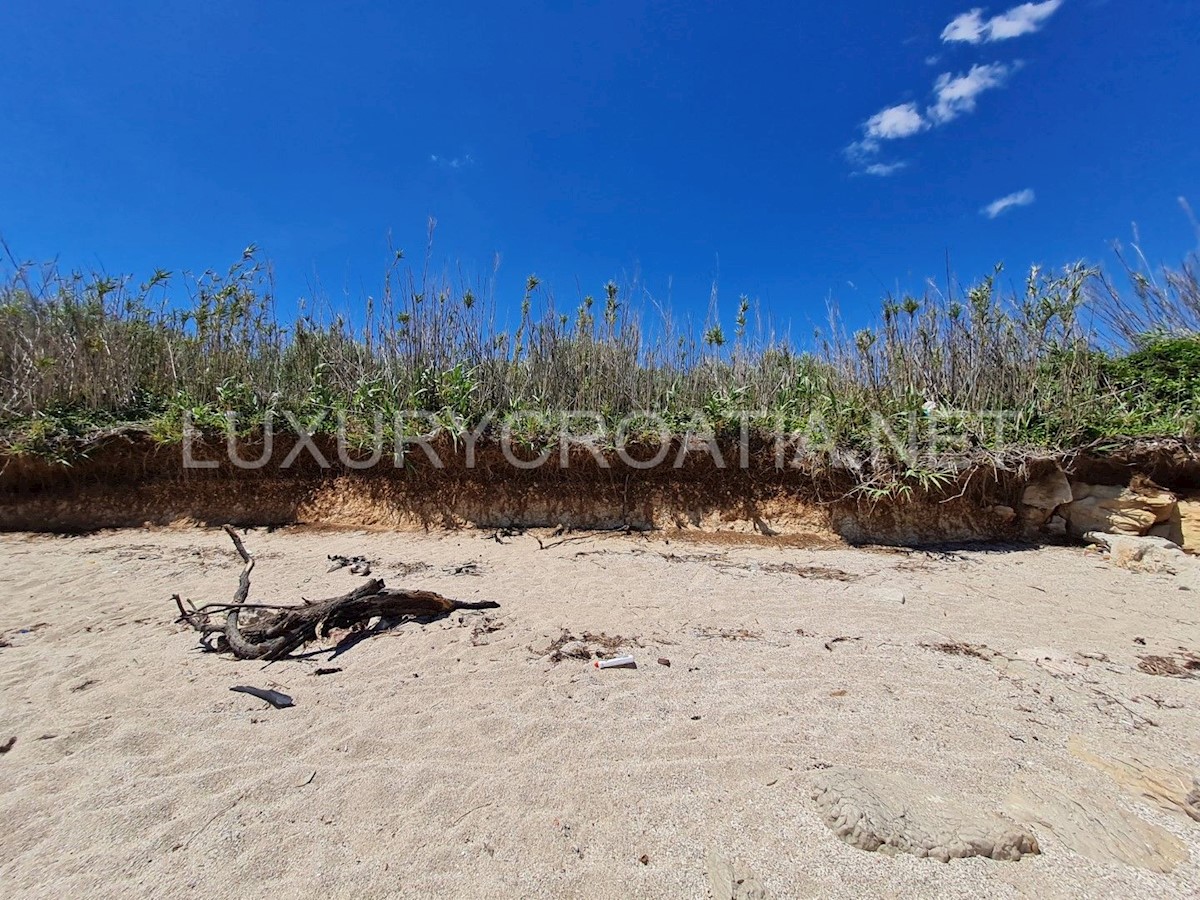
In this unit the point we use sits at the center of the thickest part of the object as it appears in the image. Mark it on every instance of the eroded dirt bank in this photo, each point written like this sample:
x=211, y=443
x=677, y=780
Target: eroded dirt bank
x=130, y=481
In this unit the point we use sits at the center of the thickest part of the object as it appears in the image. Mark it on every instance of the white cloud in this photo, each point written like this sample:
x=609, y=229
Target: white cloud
x=863, y=154
x=901, y=121
x=970, y=27
x=451, y=162
x=861, y=151
x=956, y=94
x=1004, y=204
x=1024, y=19
x=883, y=170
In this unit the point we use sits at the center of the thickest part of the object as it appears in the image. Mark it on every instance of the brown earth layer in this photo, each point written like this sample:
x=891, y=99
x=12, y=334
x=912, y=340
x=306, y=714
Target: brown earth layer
x=129, y=480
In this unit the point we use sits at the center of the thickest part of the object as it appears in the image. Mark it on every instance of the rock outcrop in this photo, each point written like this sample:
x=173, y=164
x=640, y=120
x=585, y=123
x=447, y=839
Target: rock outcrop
x=725, y=885
x=889, y=814
x=1043, y=495
x=1189, y=523
x=1135, y=510
x=1053, y=503
x=1095, y=827
x=1168, y=787
x=1143, y=554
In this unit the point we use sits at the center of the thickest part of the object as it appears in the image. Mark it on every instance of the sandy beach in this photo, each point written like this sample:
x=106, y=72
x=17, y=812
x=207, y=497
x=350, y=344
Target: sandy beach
x=466, y=758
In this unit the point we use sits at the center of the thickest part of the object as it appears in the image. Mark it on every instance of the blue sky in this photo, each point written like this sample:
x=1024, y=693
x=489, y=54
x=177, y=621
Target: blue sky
x=798, y=152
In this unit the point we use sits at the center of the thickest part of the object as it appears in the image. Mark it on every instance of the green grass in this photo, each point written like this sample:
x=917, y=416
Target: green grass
x=1067, y=358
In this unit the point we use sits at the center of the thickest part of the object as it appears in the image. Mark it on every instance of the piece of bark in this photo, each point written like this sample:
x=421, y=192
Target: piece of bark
x=275, y=698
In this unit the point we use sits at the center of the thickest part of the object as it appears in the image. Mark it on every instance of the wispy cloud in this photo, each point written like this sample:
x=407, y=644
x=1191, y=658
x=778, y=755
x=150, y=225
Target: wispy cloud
x=956, y=94
x=883, y=170
x=862, y=153
x=972, y=28
x=893, y=123
x=968, y=27
x=1011, y=201
x=953, y=96
x=452, y=162
x=1024, y=19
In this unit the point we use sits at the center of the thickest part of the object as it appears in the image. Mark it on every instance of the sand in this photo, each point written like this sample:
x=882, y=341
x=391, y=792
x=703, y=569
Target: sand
x=457, y=759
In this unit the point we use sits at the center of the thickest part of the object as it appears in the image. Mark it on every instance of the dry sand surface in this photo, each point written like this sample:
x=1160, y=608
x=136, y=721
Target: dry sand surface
x=457, y=758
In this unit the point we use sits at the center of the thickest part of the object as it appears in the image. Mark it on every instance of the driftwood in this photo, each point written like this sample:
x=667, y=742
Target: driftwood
x=278, y=630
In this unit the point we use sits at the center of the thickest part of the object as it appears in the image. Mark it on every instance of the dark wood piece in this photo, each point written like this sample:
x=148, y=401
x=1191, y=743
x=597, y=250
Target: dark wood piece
x=278, y=630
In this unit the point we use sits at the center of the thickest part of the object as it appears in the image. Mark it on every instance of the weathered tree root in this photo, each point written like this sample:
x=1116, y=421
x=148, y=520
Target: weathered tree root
x=278, y=630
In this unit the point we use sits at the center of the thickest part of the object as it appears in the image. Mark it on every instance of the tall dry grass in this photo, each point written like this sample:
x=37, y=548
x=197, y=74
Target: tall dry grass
x=81, y=351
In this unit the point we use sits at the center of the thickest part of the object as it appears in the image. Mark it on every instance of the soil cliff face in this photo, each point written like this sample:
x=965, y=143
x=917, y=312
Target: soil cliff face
x=130, y=481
